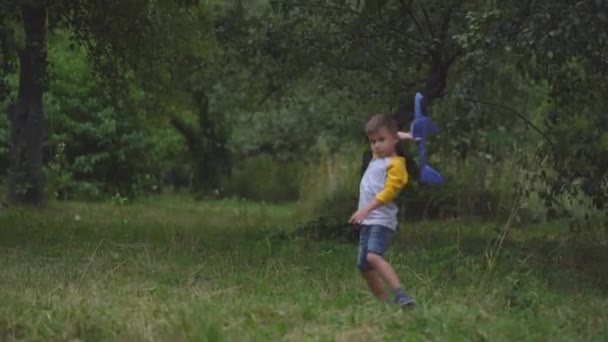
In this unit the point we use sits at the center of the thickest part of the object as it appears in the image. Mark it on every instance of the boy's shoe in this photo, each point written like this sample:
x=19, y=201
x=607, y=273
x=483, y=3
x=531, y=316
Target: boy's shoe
x=404, y=300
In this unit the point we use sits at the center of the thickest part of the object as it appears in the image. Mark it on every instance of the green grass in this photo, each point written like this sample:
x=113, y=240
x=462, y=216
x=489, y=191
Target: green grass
x=171, y=269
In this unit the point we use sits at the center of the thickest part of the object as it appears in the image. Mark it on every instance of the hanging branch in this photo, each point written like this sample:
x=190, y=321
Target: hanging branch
x=407, y=9
x=519, y=115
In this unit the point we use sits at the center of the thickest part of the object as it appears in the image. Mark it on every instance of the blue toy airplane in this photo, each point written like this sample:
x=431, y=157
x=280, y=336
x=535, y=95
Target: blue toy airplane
x=419, y=129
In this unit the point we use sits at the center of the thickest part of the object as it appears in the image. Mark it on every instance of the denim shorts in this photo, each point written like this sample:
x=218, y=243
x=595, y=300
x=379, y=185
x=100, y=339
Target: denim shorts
x=372, y=239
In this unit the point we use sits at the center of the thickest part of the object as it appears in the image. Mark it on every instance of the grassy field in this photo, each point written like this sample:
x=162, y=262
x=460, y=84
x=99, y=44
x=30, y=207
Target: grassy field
x=171, y=269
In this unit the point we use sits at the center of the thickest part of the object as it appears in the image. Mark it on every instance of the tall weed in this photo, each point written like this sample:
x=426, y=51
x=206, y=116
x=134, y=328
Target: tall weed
x=329, y=186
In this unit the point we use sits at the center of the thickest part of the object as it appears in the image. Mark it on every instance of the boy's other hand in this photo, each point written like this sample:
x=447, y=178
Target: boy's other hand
x=358, y=216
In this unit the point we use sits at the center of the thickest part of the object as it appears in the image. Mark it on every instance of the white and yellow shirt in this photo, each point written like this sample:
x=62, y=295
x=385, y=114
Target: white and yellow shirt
x=383, y=179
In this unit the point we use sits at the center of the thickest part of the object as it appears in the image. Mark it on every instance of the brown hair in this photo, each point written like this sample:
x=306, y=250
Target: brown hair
x=380, y=121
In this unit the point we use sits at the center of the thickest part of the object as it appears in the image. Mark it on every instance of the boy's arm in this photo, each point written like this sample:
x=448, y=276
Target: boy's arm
x=396, y=178
x=404, y=136
x=362, y=213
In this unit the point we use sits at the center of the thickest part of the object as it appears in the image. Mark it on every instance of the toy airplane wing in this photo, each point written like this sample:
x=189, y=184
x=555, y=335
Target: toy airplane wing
x=420, y=128
x=427, y=173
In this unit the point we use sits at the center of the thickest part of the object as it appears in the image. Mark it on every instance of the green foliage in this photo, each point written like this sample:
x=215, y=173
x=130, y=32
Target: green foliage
x=310, y=120
x=263, y=178
x=95, y=146
x=4, y=138
x=122, y=40
x=563, y=45
x=273, y=85
x=132, y=36
x=9, y=41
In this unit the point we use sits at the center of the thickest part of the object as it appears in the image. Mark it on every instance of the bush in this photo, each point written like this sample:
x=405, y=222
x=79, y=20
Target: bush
x=473, y=188
x=262, y=178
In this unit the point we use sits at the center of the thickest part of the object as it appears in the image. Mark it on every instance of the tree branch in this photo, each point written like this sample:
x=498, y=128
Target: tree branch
x=519, y=115
x=407, y=9
x=445, y=24
x=429, y=24
x=186, y=131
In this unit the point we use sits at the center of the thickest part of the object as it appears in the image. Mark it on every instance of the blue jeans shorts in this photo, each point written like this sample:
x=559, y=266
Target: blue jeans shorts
x=372, y=239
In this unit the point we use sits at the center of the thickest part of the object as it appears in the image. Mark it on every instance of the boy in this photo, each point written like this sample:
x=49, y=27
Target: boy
x=384, y=177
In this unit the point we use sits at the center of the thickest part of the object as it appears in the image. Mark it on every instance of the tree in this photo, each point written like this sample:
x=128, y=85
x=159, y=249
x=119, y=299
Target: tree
x=404, y=46
x=566, y=44
x=121, y=37
x=25, y=116
x=206, y=144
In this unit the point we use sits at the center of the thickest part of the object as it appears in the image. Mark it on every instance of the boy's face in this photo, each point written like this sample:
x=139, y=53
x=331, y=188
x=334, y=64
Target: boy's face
x=382, y=142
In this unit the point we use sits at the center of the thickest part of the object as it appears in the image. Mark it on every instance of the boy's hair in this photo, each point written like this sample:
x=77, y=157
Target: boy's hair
x=380, y=121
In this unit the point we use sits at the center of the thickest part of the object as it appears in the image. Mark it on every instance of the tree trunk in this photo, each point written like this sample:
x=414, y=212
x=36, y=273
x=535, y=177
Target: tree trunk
x=206, y=145
x=26, y=178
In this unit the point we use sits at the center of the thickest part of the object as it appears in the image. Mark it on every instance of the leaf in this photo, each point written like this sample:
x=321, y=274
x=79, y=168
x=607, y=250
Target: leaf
x=604, y=141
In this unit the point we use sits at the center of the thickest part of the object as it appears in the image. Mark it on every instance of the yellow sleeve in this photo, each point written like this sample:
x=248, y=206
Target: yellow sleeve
x=396, y=178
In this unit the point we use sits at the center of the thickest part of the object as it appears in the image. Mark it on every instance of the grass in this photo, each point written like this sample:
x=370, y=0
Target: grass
x=171, y=269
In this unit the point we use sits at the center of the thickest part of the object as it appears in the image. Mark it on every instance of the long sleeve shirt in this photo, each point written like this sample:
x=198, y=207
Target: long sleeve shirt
x=383, y=180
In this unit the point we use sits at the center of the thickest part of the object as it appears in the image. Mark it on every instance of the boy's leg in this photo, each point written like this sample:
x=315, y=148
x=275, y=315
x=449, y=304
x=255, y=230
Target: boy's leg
x=372, y=278
x=385, y=269
x=375, y=284
x=378, y=242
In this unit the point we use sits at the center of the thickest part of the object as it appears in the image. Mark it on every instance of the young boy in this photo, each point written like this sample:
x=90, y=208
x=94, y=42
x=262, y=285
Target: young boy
x=384, y=177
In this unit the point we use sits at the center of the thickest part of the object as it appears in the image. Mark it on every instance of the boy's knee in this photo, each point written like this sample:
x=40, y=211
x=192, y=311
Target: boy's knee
x=372, y=258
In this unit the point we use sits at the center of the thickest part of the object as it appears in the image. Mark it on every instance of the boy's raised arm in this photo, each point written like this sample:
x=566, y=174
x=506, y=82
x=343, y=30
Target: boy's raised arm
x=404, y=135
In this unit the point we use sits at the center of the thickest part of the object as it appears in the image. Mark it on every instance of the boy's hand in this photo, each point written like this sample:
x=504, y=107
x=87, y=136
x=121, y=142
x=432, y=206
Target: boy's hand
x=362, y=213
x=404, y=135
x=359, y=216
x=407, y=136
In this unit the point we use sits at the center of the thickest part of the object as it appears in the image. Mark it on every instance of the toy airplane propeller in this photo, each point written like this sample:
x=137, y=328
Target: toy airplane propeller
x=419, y=129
